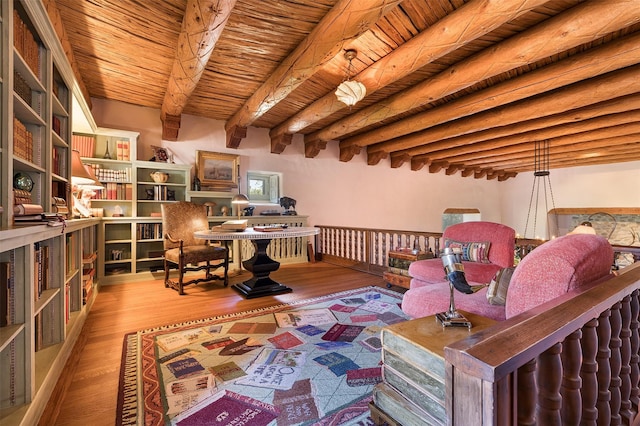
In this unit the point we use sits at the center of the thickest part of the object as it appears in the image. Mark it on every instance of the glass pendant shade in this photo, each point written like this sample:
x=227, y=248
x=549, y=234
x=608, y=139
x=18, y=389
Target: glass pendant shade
x=351, y=92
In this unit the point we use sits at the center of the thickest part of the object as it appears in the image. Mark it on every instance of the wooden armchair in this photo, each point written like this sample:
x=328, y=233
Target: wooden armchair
x=179, y=222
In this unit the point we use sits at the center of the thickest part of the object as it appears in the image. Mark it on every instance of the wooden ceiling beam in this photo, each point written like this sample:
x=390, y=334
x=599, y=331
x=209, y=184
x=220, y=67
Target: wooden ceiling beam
x=463, y=25
x=614, y=56
x=616, y=111
x=569, y=151
x=596, y=90
x=345, y=21
x=608, y=125
x=202, y=25
x=614, y=156
x=596, y=20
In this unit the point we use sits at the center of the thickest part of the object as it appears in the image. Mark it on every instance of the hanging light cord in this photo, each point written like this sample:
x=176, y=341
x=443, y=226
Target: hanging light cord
x=541, y=170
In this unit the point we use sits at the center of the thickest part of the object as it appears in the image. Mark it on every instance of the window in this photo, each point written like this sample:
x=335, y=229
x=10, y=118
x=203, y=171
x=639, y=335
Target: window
x=264, y=186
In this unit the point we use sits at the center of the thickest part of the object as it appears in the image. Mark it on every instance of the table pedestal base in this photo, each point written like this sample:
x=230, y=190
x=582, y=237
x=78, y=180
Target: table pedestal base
x=260, y=265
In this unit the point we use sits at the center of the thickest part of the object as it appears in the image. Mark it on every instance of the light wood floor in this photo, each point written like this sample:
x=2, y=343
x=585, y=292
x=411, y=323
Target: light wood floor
x=87, y=392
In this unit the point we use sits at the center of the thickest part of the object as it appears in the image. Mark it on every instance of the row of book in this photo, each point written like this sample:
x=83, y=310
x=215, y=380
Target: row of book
x=59, y=161
x=114, y=191
x=149, y=231
x=42, y=269
x=22, y=141
x=86, y=145
x=21, y=87
x=111, y=175
x=26, y=44
x=21, y=196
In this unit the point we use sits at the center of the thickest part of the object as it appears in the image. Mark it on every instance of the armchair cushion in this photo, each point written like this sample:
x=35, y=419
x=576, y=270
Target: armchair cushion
x=196, y=254
x=471, y=251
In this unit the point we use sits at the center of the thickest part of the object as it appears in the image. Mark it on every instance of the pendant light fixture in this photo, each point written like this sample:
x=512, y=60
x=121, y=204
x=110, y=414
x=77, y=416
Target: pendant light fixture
x=350, y=91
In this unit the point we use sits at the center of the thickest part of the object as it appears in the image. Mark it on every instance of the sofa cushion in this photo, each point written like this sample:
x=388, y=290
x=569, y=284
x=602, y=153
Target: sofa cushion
x=497, y=291
x=431, y=299
x=568, y=263
x=471, y=251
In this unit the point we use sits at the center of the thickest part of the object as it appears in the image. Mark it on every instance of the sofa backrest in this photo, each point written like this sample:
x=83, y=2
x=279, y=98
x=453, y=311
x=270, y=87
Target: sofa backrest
x=571, y=262
x=502, y=238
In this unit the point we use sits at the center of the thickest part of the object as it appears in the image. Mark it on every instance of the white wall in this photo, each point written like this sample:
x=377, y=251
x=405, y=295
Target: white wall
x=354, y=194
x=614, y=185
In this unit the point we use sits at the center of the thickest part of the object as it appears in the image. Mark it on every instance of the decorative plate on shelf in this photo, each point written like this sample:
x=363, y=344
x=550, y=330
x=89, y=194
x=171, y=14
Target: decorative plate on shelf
x=22, y=181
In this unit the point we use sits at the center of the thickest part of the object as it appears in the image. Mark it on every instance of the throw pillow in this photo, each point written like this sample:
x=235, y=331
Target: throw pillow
x=497, y=291
x=471, y=251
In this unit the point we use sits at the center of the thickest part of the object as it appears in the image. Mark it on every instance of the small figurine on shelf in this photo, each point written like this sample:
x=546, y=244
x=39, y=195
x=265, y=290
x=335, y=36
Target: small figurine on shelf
x=196, y=184
x=107, y=154
x=289, y=204
x=224, y=210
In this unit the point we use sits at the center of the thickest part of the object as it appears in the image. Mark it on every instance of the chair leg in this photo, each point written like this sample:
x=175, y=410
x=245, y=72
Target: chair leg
x=166, y=274
x=180, y=278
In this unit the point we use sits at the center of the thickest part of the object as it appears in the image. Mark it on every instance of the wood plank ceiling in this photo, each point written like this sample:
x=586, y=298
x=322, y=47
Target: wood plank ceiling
x=452, y=85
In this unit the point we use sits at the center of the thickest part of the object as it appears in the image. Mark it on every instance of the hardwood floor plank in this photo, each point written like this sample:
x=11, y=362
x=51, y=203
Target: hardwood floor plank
x=87, y=391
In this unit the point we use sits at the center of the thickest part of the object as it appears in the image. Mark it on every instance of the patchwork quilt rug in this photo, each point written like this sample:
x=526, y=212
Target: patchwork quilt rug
x=311, y=362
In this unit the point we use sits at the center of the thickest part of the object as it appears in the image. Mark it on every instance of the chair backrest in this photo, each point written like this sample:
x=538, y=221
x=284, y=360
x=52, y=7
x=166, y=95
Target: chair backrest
x=501, y=237
x=181, y=220
x=567, y=263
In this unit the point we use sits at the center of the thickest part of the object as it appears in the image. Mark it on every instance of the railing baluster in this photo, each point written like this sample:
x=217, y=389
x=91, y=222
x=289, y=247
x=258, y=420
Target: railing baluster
x=588, y=373
x=615, y=343
x=604, y=369
x=549, y=381
x=571, y=383
x=527, y=396
x=635, y=347
x=625, y=361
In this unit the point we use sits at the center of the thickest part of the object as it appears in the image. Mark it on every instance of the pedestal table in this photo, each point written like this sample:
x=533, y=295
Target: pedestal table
x=260, y=265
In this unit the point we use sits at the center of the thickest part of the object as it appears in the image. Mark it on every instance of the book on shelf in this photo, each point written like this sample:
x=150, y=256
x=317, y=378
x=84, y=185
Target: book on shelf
x=21, y=196
x=27, y=209
x=84, y=144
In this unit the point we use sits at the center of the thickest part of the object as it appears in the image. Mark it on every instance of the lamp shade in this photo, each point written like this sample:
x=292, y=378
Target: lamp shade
x=79, y=175
x=239, y=199
x=96, y=182
x=350, y=92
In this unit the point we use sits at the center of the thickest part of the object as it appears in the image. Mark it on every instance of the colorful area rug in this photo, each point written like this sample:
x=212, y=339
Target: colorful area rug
x=311, y=362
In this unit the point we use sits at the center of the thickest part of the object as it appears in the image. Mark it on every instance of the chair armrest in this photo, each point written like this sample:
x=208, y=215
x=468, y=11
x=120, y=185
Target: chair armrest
x=175, y=241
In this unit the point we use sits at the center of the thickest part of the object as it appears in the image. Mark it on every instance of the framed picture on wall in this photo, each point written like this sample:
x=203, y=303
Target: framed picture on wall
x=216, y=171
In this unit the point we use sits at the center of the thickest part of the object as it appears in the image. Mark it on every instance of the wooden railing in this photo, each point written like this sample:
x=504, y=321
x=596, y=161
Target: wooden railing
x=570, y=361
x=366, y=249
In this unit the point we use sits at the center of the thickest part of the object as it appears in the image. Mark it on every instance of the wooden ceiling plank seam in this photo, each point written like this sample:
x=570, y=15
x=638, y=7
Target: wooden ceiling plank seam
x=596, y=18
x=441, y=38
x=344, y=22
x=619, y=54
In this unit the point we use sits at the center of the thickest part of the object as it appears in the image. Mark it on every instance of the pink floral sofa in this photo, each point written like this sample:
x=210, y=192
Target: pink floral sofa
x=565, y=264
